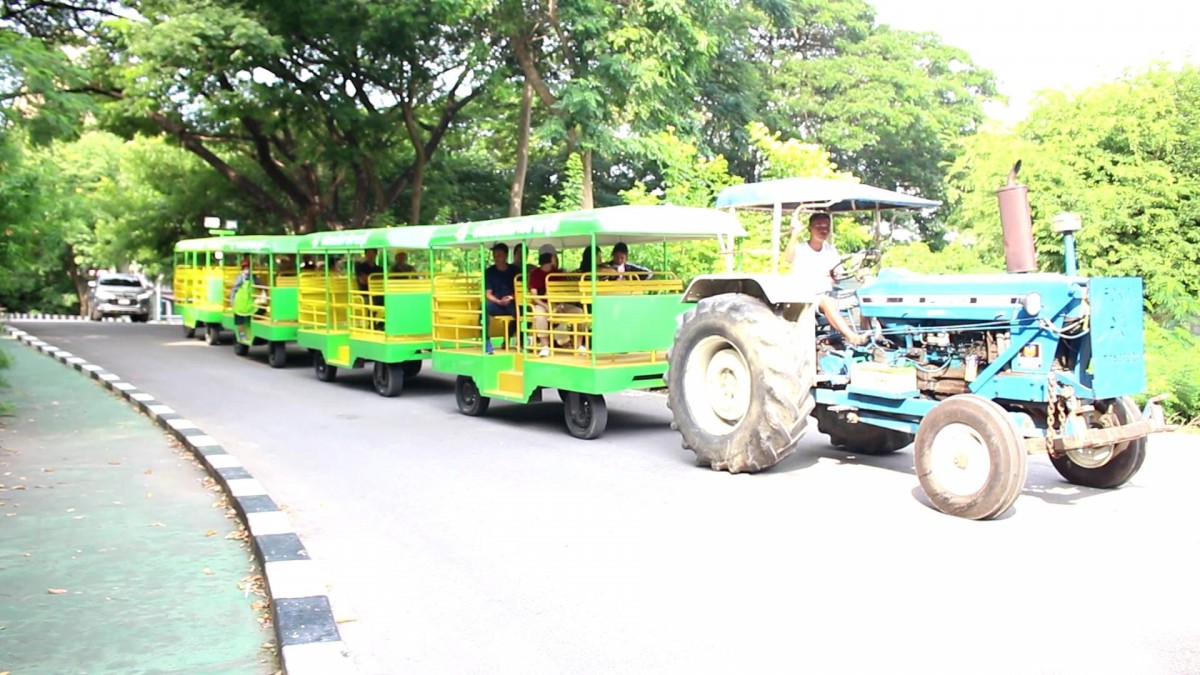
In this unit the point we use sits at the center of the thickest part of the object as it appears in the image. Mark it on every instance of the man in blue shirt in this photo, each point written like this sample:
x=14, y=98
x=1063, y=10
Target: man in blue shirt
x=498, y=283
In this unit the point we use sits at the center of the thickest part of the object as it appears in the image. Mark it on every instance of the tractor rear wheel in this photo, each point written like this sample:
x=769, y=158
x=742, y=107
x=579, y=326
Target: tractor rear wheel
x=1108, y=466
x=970, y=458
x=739, y=383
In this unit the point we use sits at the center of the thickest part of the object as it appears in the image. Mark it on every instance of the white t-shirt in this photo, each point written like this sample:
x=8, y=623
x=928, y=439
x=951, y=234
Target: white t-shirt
x=812, y=267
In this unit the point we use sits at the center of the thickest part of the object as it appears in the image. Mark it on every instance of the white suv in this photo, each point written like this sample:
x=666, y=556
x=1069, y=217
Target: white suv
x=118, y=295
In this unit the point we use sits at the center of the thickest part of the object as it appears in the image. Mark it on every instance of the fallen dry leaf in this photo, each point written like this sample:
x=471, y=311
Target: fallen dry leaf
x=210, y=533
x=207, y=570
x=157, y=524
x=56, y=591
x=149, y=472
x=18, y=487
x=48, y=469
x=114, y=462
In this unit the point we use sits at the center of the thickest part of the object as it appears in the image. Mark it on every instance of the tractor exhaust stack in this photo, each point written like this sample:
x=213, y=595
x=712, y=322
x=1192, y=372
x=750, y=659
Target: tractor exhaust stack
x=1016, y=222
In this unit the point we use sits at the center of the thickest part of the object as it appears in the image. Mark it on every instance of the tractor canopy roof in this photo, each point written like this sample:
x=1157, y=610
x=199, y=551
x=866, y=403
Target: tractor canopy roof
x=817, y=194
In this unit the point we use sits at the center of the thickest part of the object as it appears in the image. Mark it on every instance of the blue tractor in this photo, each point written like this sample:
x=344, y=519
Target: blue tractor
x=975, y=371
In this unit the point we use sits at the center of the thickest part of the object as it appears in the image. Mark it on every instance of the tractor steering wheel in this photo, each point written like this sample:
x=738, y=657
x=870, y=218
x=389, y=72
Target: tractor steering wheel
x=850, y=266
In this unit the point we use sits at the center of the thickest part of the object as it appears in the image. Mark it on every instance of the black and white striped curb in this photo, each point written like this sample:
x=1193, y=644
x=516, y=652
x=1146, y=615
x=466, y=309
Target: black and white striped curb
x=305, y=630
x=37, y=316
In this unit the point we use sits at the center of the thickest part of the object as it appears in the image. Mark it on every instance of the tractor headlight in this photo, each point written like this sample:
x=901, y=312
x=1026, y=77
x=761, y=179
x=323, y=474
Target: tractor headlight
x=1032, y=304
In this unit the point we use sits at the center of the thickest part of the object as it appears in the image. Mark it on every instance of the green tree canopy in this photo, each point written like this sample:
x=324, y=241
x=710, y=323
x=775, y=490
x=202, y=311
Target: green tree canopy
x=1123, y=156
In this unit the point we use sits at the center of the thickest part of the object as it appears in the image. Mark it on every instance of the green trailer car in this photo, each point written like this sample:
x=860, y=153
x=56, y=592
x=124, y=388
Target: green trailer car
x=355, y=311
x=594, y=331
x=201, y=285
x=276, y=290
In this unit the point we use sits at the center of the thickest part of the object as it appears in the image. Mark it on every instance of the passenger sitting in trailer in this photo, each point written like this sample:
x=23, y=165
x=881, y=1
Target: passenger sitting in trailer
x=625, y=269
x=585, y=263
x=813, y=262
x=518, y=261
x=548, y=264
x=285, y=264
x=400, y=265
x=364, y=268
x=499, y=286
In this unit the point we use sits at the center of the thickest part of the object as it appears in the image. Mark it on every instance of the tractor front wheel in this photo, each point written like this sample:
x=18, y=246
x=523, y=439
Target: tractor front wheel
x=970, y=458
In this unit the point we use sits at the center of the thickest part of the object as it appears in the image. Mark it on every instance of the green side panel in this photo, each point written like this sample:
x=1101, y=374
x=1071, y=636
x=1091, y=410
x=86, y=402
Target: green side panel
x=312, y=339
x=390, y=352
x=594, y=380
x=408, y=313
x=227, y=320
x=285, y=303
x=188, y=313
x=273, y=333
x=333, y=346
x=208, y=316
x=634, y=323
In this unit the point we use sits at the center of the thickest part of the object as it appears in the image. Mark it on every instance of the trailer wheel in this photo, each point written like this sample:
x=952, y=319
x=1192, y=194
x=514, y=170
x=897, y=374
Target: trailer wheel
x=738, y=383
x=861, y=438
x=212, y=335
x=470, y=401
x=189, y=331
x=277, y=354
x=586, y=415
x=411, y=368
x=240, y=349
x=969, y=457
x=324, y=371
x=1109, y=466
x=388, y=379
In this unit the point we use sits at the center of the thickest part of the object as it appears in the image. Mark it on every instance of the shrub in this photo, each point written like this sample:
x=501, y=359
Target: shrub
x=1173, y=367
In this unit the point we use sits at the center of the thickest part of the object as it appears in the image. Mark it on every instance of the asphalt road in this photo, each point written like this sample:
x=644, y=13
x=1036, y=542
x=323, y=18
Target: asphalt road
x=502, y=545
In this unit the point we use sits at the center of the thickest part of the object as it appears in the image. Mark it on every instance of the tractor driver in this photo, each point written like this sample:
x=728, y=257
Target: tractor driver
x=813, y=262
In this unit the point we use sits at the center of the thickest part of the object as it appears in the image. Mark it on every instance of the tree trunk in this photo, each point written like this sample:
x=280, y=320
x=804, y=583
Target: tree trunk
x=418, y=185
x=77, y=279
x=517, y=193
x=586, y=200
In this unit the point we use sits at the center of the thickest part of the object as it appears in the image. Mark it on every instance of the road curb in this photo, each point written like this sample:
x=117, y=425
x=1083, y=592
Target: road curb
x=305, y=629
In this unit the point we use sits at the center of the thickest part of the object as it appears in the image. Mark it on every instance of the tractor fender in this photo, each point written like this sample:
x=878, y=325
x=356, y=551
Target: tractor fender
x=773, y=289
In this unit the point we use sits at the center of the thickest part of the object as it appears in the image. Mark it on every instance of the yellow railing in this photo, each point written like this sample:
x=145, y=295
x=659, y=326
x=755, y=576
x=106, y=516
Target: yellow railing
x=322, y=306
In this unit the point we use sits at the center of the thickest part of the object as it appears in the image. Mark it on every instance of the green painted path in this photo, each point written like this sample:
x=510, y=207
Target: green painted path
x=113, y=550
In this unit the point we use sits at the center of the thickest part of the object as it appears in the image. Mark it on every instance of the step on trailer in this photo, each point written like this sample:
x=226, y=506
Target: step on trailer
x=602, y=332
x=274, y=277
x=382, y=320
x=976, y=370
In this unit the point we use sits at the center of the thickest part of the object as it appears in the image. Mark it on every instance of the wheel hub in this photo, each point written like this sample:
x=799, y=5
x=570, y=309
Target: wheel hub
x=959, y=459
x=718, y=385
